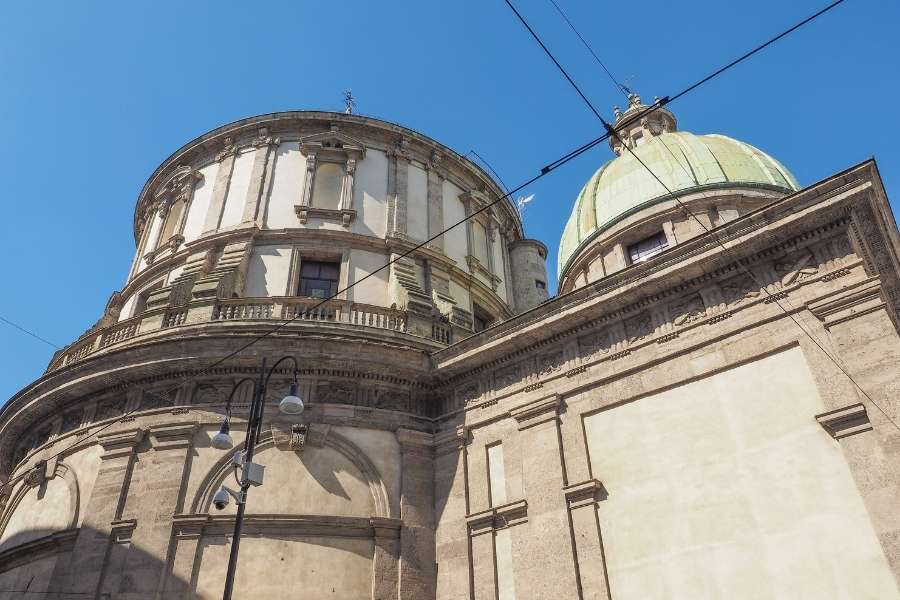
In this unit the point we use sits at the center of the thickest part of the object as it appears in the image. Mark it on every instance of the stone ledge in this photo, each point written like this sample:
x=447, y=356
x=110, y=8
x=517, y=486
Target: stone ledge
x=846, y=421
x=585, y=493
x=27, y=552
x=497, y=517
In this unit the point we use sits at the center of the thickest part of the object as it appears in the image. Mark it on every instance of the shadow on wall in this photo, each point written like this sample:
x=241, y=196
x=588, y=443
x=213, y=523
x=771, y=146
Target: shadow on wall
x=37, y=563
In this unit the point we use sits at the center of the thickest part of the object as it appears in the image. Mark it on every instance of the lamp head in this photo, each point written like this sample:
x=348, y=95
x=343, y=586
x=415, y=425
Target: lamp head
x=291, y=404
x=222, y=440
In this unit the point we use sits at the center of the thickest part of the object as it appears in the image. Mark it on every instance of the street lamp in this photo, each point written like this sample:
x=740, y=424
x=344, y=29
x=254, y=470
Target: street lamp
x=251, y=473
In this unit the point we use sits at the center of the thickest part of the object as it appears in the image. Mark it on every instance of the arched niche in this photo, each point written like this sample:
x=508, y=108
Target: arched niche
x=329, y=475
x=40, y=505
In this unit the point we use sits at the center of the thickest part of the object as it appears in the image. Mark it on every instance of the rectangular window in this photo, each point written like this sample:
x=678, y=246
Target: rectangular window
x=481, y=319
x=327, y=185
x=319, y=279
x=647, y=247
x=541, y=285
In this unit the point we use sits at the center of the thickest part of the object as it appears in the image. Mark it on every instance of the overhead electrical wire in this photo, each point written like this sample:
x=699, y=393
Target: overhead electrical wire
x=548, y=168
x=28, y=332
x=619, y=86
x=615, y=134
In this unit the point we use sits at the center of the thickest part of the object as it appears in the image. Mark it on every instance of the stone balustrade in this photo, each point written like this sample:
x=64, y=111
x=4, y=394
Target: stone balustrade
x=297, y=309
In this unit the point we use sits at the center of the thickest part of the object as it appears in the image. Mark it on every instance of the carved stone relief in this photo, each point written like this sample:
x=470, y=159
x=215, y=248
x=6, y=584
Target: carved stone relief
x=109, y=408
x=550, y=362
x=467, y=393
x=740, y=288
x=157, y=399
x=639, y=327
x=596, y=342
x=687, y=310
x=71, y=421
x=392, y=399
x=796, y=267
x=507, y=376
x=335, y=393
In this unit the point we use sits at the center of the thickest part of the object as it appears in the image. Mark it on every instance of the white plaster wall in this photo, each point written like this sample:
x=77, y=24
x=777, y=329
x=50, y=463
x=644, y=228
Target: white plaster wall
x=288, y=179
x=307, y=567
x=479, y=243
x=85, y=465
x=196, y=217
x=373, y=290
x=128, y=307
x=728, y=488
x=152, y=238
x=455, y=243
x=237, y=190
x=417, y=204
x=461, y=295
x=370, y=194
x=267, y=273
x=383, y=450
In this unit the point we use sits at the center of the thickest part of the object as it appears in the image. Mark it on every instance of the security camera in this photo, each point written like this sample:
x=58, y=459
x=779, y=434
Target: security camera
x=221, y=499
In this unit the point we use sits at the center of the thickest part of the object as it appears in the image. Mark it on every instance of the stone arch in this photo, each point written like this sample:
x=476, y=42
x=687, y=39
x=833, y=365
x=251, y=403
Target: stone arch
x=34, y=479
x=330, y=439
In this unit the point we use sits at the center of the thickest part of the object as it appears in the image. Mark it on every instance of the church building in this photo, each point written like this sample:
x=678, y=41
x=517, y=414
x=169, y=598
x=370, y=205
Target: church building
x=708, y=409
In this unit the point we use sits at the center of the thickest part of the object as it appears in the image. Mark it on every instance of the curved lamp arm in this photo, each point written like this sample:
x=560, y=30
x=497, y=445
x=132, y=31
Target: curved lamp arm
x=236, y=388
x=275, y=367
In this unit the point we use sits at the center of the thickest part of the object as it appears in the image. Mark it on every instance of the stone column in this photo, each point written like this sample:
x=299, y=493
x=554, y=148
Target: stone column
x=417, y=553
x=398, y=183
x=385, y=576
x=435, y=204
x=590, y=561
x=220, y=188
x=187, y=531
x=104, y=508
x=154, y=500
x=549, y=567
x=451, y=508
x=264, y=143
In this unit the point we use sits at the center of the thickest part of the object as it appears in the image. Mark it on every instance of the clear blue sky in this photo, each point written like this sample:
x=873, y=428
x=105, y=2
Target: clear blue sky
x=96, y=94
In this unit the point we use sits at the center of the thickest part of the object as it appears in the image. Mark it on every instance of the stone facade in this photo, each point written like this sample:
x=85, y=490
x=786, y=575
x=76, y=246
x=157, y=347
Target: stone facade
x=683, y=427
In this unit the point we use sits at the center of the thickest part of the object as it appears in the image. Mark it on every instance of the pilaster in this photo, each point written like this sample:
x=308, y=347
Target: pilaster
x=417, y=552
x=103, y=515
x=220, y=187
x=547, y=565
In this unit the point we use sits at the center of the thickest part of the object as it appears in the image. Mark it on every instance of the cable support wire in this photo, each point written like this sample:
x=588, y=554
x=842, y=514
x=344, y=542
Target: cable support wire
x=548, y=168
x=619, y=86
x=612, y=132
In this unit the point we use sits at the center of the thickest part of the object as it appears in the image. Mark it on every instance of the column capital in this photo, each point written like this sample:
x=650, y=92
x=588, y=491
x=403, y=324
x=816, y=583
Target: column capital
x=119, y=443
x=414, y=441
x=536, y=412
x=169, y=436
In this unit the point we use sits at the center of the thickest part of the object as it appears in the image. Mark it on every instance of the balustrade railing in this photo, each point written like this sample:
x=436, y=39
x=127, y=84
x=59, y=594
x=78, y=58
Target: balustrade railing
x=281, y=308
x=119, y=332
x=175, y=317
x=243, y=308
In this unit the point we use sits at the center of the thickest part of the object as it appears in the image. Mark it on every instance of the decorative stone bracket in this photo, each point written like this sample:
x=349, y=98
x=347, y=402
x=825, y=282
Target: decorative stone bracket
x=585, y=493
x=846, y=421
x=344, y=215
x=497, y=517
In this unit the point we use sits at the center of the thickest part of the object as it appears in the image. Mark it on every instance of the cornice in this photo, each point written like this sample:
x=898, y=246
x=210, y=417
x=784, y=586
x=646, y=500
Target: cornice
x=698, y=260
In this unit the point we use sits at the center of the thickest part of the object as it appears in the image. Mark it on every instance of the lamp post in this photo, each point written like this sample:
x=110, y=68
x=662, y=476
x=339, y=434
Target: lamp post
x=251, y=473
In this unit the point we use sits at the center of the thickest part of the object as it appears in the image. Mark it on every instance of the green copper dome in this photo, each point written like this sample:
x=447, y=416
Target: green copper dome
x=685, y=162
